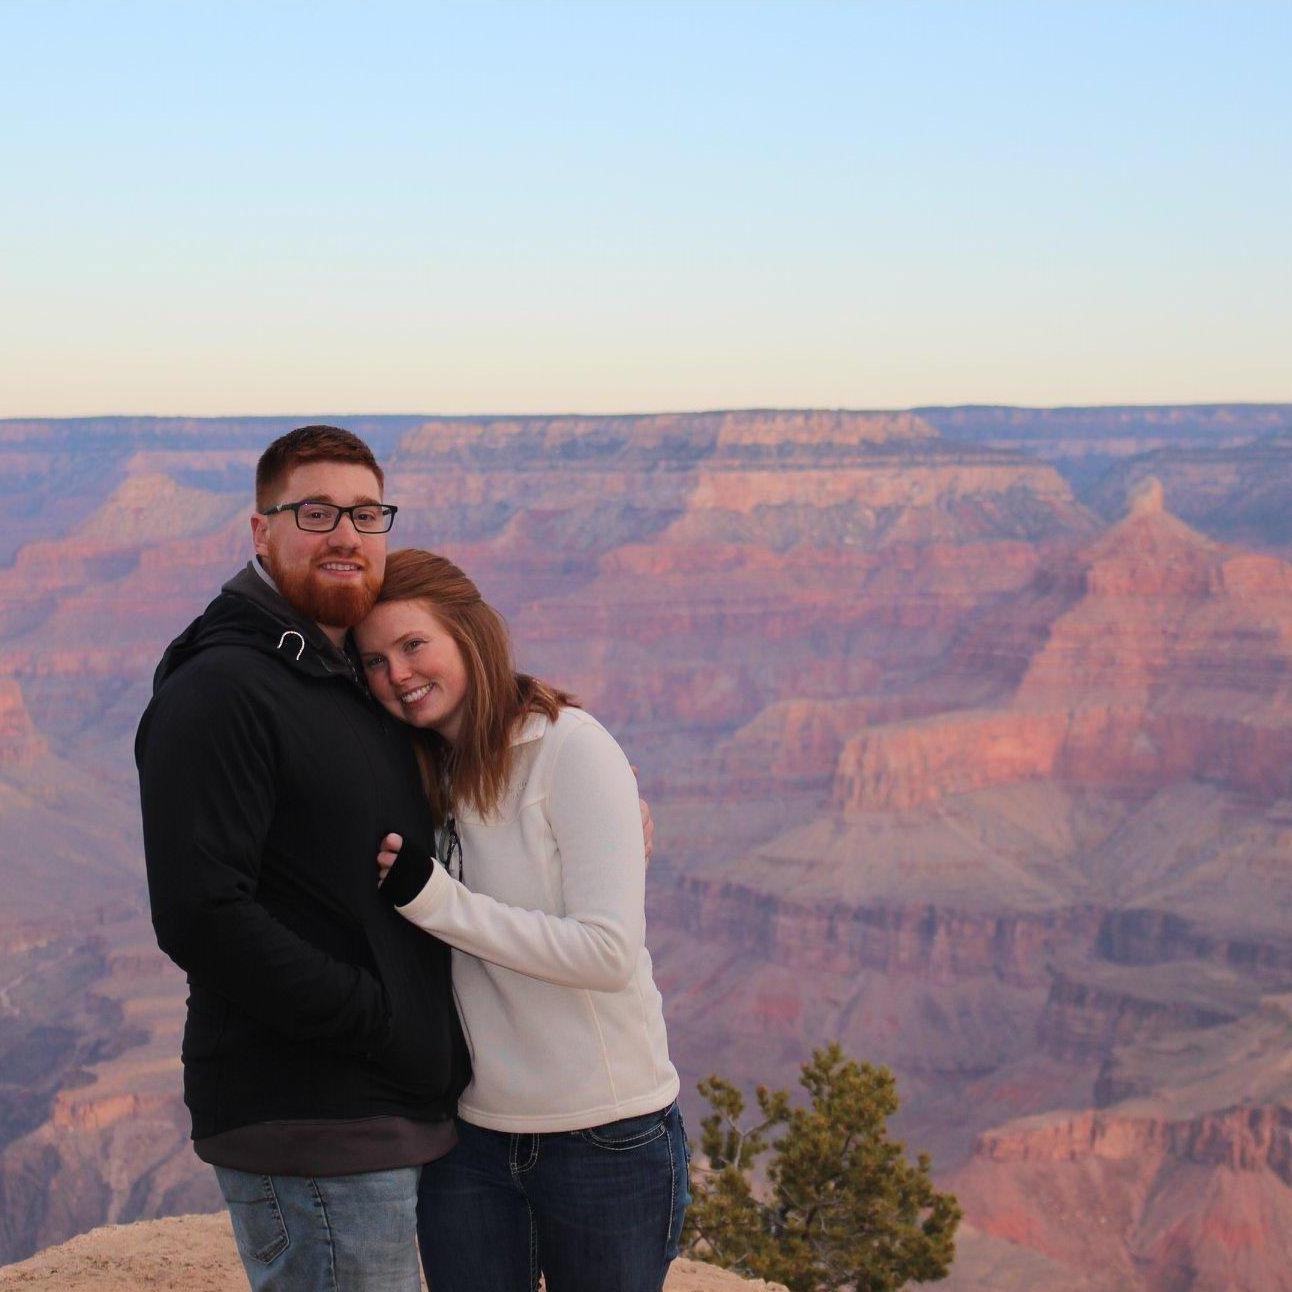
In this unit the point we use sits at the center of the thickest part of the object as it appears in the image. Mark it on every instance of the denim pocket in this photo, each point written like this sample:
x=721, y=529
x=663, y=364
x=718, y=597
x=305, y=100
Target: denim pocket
x=258, y=1226
x=628, y=1132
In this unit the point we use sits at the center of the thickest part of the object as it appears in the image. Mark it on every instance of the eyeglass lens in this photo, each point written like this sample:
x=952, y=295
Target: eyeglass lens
x=321, y=517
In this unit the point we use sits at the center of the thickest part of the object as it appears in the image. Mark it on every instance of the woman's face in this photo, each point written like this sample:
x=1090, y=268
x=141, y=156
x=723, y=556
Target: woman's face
x=414, y=667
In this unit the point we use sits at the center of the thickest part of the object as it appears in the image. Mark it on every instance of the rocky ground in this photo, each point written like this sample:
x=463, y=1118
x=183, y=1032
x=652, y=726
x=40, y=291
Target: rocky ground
x=196, y=1254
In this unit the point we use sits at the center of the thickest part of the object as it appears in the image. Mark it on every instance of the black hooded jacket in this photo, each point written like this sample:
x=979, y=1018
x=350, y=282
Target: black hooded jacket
x=268, y=776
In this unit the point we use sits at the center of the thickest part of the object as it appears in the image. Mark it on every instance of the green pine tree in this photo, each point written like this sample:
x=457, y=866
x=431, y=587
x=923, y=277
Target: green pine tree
x=842, y=1207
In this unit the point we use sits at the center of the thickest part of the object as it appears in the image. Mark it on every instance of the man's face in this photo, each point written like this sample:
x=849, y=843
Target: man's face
x=331, y=578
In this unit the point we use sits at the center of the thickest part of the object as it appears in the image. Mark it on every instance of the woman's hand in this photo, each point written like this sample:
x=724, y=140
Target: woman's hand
x=390, y=847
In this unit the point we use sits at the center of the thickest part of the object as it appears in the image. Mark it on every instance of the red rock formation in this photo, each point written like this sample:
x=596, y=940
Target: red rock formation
x=908, y=764
x=1196, y=1205
x=1174, y=662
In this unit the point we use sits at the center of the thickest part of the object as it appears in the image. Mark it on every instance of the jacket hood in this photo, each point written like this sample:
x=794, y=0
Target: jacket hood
x=250, y=611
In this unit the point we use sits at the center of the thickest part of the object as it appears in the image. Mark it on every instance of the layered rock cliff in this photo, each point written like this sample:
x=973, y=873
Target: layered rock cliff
x=1185, y=1184
x=1172, y=663
x=1202, y=1204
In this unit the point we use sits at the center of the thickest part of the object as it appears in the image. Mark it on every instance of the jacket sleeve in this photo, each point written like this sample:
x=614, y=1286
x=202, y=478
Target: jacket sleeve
x=595, y=816
x=207, y=784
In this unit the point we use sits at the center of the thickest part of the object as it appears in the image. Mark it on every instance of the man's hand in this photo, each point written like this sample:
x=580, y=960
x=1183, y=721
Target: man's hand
x=390, y=847
x=648, y=824
x=648, y=829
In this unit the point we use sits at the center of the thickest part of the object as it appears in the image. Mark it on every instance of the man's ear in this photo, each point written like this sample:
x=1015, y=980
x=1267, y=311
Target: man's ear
x=260, y=533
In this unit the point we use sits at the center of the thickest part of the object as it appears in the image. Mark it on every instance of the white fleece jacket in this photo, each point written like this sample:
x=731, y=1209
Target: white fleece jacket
x=550, y=965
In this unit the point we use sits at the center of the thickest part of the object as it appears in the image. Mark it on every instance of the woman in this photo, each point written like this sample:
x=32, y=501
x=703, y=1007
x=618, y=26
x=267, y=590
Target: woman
x=571, y=1156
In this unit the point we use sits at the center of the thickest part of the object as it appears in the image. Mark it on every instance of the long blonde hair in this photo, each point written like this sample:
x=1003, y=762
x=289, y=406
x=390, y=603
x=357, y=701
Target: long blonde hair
x=475, y=770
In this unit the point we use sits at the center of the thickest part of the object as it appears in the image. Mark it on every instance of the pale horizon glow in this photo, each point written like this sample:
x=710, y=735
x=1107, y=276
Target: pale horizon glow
x=222, y=209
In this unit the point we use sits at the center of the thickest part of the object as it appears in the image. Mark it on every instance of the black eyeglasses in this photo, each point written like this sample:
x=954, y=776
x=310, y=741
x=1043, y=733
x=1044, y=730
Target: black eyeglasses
x=324, y=517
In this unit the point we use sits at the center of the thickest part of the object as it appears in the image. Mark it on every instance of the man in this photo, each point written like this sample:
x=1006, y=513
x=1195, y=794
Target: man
x=322, y=1055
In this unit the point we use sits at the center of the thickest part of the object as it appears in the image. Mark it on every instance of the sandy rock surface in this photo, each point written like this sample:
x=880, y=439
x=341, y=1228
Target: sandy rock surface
x=196, y=1254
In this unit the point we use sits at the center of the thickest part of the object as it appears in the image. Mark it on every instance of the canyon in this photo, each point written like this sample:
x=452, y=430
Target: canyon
x=968, y=735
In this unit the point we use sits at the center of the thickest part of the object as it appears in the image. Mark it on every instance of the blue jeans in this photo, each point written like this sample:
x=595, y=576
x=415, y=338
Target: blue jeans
x=596, y=1210
x=335, y=1233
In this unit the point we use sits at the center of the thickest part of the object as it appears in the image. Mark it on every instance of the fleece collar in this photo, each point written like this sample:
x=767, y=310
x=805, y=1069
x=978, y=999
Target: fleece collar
x=298, y=633
x=534, y=727
x=250, y=611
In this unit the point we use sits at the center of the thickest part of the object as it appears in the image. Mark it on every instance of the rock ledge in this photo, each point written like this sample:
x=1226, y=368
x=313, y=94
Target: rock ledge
x=196, y=1254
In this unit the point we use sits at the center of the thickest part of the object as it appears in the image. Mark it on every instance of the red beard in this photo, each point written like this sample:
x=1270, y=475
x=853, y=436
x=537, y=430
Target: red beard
x=335, y=606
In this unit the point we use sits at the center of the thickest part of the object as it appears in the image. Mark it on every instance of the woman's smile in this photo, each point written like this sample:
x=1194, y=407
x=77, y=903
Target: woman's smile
x=414, y=666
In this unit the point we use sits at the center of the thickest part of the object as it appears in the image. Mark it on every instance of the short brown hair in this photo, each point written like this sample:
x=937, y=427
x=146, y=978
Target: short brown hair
x=309, y=444
x=476, y=769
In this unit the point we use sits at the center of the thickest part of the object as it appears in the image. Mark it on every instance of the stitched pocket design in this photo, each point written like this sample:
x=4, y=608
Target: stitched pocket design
x=627, y=1133
x=257, y=1221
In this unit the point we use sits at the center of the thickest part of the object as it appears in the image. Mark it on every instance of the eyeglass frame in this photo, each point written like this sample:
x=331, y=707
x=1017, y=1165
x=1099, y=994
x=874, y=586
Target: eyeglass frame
x=387, y=509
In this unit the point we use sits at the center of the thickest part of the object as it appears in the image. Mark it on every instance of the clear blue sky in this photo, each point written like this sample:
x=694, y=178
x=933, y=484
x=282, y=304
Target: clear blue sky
x=378, y=207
